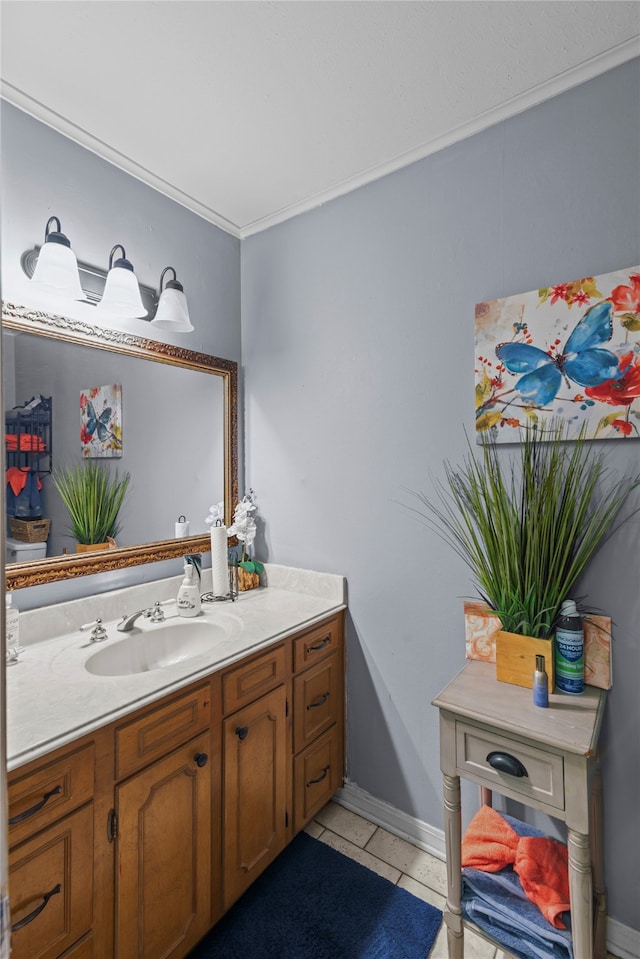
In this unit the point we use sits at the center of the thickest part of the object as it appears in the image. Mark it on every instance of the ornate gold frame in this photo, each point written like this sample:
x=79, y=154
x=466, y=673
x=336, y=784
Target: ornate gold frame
x=56, y=568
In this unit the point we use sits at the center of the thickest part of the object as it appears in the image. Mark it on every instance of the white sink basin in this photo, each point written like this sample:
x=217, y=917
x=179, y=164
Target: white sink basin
x=166, y=644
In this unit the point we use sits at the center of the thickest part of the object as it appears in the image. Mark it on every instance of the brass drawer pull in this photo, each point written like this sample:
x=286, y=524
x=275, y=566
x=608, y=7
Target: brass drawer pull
x=34, y=809
x=318, y=779
x=319, y=702
x=36, y=912
x=506, y=763
x=322, y=645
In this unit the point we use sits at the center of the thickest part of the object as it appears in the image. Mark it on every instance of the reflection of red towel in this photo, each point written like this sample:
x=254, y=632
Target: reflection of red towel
x=25, y=442
x=17, y=479
x=490, y=844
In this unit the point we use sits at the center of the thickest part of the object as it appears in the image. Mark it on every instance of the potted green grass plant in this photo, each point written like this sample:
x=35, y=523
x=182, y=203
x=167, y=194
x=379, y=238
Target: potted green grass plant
x=93, y=496
x=527, y=521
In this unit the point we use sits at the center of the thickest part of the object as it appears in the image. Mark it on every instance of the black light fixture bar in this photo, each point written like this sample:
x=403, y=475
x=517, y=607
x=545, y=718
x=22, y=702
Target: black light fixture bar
x=92, y=281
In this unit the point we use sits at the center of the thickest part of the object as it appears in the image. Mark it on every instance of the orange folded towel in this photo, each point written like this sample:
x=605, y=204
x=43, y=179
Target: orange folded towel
x=542, y=864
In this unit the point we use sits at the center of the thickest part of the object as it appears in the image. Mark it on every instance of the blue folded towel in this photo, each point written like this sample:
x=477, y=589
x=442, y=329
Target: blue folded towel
x=496, y=903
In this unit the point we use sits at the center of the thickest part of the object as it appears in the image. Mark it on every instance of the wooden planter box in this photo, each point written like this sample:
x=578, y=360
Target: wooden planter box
x=89, y=548
x=516, y=658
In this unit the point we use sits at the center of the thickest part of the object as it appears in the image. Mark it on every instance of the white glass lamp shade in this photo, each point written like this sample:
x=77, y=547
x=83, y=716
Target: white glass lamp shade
x=173, y=311
x=121, y=297
x=56, y=270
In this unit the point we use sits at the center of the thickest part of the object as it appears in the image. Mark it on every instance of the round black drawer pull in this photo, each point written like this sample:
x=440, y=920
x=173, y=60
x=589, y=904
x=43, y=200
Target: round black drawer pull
x=319, y=702
x=36, y=912
x=242, y=732
x=34, y=809
x=201, y=759
x=506, y=763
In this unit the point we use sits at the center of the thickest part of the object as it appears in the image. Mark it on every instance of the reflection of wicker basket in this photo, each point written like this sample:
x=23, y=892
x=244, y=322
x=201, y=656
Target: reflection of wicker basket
x=247, y=580
x=30, y=530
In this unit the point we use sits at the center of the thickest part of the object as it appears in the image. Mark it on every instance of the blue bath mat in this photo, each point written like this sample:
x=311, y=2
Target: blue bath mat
x=315, y=903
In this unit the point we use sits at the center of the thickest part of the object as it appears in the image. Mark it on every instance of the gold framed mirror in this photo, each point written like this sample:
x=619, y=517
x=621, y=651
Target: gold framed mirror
x=207, y=424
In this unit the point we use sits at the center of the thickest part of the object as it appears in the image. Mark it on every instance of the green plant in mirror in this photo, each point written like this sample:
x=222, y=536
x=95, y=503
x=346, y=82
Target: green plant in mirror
x=528, y=521
x=93, y=496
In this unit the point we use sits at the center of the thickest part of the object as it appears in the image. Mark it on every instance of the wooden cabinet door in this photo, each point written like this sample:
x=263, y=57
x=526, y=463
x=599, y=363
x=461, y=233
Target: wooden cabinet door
x=163, y=877
x=255, y=791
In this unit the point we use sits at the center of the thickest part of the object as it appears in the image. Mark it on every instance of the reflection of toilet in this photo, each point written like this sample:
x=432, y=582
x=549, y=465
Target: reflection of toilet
x=19, y=552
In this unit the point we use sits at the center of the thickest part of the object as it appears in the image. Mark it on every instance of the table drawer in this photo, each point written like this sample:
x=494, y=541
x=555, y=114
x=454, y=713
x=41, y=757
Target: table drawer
x=52, y=791
x=544, y=771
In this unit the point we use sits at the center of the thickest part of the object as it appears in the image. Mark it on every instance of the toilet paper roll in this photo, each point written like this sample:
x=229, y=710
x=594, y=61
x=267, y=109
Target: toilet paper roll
x=219, y=567
x=182, y=529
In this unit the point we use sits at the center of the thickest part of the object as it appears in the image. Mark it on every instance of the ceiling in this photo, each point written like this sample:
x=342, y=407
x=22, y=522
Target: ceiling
x=251, y=112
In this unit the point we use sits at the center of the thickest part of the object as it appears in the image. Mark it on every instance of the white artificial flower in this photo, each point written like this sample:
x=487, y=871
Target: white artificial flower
x=244, y=525
x=216, y=513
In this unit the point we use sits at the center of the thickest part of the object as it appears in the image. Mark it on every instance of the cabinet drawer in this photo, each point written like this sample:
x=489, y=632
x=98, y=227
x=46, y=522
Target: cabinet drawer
x=316, y=644
x=51, y=883
x=242, y=685
x=158, y=732
x=316, y=701
x=39, y=798
x=544, y=779
x=317, y=773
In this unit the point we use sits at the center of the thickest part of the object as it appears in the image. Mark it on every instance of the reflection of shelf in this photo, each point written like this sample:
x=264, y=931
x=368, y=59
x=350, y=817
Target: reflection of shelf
x=28, y=436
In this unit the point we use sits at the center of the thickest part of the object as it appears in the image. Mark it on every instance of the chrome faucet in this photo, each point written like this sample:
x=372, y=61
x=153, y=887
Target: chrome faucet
x=155, y=613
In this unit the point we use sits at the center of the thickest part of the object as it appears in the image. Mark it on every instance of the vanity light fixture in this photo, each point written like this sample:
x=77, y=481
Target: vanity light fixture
x=121, y=297
x=56, y=269
x=173, y=312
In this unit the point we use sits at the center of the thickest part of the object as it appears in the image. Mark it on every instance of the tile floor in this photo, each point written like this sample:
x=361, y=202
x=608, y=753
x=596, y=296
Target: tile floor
x=400, y=862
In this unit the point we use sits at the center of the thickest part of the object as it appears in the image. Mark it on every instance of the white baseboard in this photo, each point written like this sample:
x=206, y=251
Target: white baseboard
x=622, y=941
x=393, y=820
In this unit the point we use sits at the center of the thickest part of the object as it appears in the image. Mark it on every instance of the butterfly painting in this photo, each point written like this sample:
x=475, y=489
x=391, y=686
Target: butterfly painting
x=570, y=352
x=101, y=421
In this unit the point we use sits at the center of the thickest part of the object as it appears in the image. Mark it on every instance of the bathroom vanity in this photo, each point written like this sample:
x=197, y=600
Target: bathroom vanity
x=133, y=829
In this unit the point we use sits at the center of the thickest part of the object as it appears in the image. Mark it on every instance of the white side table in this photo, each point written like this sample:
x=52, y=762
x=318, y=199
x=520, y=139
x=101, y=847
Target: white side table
x=557, y=748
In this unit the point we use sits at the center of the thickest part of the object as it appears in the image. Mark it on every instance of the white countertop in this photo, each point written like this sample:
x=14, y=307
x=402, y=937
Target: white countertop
x=53, y=699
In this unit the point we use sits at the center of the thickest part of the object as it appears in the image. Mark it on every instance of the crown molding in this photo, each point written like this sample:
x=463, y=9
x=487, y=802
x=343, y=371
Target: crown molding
x=564, y=81
x=83, y=138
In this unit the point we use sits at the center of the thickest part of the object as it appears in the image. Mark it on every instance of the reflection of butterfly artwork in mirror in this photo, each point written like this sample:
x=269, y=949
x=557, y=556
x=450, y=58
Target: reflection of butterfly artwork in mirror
x=570, y=352
x=101, y=421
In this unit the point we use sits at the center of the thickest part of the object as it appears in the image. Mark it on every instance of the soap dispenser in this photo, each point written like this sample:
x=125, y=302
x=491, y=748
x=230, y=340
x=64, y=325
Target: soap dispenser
x=188, y=600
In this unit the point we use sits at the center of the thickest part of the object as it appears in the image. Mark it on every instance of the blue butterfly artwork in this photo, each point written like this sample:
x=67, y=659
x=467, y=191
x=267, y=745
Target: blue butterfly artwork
x=97, y=423
x=582, y=359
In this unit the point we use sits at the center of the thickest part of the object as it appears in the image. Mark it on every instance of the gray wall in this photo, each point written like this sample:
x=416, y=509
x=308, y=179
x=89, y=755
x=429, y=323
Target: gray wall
x=357, y=345
x=45, y=174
